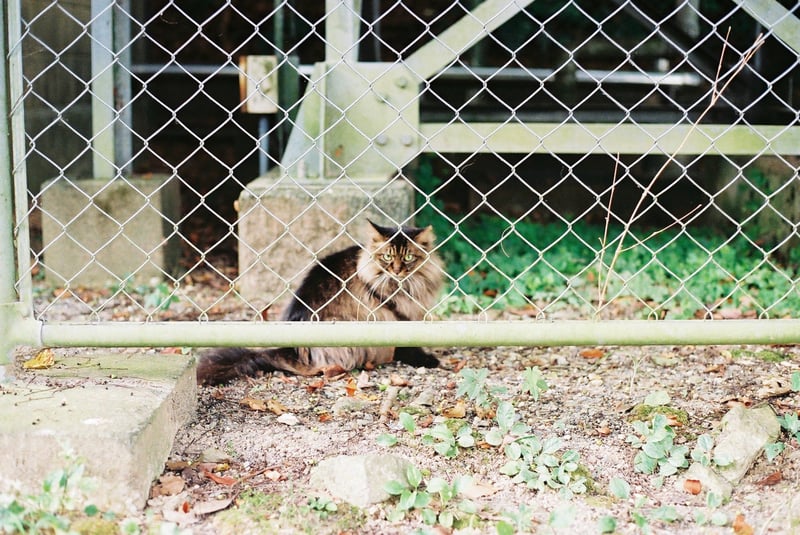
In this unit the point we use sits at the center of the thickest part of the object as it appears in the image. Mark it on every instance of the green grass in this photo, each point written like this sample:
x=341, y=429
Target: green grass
x=555, y=265
x=496, y=263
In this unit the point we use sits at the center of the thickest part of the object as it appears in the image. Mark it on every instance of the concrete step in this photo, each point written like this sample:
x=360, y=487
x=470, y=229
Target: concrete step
x=119, y=411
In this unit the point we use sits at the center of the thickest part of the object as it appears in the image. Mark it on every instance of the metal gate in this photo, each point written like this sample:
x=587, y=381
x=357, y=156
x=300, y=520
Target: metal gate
x=597, y=173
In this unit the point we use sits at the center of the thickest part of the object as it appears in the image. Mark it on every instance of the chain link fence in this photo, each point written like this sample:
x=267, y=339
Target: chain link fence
x=577, y=160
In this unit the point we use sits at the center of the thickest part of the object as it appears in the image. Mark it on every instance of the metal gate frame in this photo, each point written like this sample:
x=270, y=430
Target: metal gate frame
x=18, y=326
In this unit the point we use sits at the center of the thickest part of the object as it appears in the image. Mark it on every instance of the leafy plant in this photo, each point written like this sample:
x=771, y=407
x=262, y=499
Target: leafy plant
x=711, y=513
x=53, y=509
x=519, y=520
x=322, y=506
x=497, y=263
x=159, y=296
x=473, y=384
x=773, y=450
x=507, y=424
x=658, y=450
x=533, y=382
x=447, y=443
x=438, y=502
x=540, y=465
x=703, y=451
x=791, y=424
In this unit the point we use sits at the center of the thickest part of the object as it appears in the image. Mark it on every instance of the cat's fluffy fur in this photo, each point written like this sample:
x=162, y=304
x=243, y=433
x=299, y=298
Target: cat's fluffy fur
x=396, y=276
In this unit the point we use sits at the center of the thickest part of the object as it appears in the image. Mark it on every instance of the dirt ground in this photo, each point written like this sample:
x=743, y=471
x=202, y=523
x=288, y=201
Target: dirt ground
x=261, y=437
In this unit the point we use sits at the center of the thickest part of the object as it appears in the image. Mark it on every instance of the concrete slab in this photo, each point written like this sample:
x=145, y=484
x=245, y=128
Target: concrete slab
x=285, y=224
x=117, y=411
x=97, y=232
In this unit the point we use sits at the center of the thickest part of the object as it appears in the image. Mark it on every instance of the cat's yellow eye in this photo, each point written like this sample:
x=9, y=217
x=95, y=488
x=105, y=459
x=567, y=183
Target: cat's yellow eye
x=409, y=258
x=387, y=257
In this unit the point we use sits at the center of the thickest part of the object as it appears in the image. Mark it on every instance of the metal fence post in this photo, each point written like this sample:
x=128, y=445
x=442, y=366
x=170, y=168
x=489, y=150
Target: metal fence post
x=17, y=325
x=8, y=267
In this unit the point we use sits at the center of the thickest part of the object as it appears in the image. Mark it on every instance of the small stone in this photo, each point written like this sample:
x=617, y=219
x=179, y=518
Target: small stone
x=425, y=398
x=288, y=418
x=345, y=405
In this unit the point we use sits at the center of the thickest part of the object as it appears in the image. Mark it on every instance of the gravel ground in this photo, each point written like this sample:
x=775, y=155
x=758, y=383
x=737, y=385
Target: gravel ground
x=587, y=405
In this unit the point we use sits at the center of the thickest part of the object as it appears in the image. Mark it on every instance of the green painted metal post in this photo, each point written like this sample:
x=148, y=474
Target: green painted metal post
x=103, y=114
x=8, y=268
x=17, y=325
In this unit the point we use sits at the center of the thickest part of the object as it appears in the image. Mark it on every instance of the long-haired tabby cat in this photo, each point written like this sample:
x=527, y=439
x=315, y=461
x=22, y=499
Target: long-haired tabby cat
x=396, y=276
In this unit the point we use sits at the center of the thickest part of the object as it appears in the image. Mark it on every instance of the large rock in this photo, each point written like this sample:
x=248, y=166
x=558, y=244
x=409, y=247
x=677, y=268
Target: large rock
x=743, y=436
x=359, y=479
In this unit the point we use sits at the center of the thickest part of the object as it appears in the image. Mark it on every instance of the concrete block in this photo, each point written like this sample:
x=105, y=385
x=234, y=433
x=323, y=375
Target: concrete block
x=99, y=232
x=285, y=224
x=119, y=412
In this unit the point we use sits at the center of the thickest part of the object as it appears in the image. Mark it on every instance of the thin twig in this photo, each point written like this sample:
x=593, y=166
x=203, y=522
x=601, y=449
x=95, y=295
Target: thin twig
x=604, y=241
x=659, y=231
x=715, y=94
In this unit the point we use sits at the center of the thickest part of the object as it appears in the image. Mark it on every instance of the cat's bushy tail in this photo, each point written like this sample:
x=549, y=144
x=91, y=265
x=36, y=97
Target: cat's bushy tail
x=225, y=364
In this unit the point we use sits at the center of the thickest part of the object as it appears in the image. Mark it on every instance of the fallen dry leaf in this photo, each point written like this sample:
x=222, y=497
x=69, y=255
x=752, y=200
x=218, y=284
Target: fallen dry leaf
x=740, y=526
x=528, y=311
x=692, y=486
x=476, y=489
x=425, y=421
x=254, y=403
x=351, y=387
x=673, y=421
x=213, y=467
x=773, y=479
x=176, y=466
x=178, y=510
x=168, y=485
x=325, y=417
x=593, y=353
x=397, y=380
x=484, y=413
x=459, y=410
x=211, y=506
x=44, y=359
x=276, y=407
x=315, y=385
x=221, y=480
x=459, y=365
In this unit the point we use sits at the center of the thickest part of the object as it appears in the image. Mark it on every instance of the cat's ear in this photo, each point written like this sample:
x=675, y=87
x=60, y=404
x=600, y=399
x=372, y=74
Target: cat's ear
x=425, y=238
x=376, y=233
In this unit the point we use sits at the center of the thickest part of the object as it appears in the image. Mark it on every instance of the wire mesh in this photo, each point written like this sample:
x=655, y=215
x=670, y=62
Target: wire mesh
x=576, y=159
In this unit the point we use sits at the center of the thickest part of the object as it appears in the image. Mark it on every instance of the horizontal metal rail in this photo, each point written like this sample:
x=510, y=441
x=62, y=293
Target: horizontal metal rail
x=610, y=138
x=505, y=74
x=431, y=334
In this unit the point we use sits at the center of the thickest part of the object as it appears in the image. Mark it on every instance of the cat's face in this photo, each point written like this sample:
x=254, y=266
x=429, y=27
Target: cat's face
x=400, y=254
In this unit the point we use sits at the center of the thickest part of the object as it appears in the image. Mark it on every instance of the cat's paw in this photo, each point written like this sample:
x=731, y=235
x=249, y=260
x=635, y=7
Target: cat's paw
x=416, y=357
